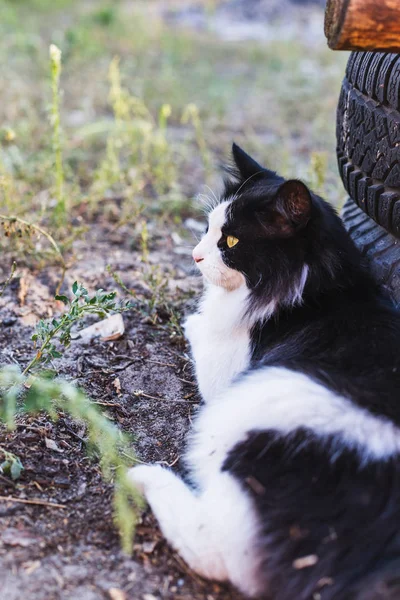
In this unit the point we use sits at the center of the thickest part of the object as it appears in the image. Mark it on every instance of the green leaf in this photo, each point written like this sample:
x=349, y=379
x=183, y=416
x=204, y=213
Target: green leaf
x=15, y=469
x=75, y=287
x=48, y=373
x=63, y=299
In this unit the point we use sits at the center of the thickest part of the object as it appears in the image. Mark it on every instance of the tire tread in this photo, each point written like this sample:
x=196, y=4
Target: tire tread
x=380, y=249
x=368, y=135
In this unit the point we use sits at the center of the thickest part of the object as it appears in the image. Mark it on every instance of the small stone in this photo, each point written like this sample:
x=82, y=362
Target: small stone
x=9, y=321
x=61, y=482
x=148, y=547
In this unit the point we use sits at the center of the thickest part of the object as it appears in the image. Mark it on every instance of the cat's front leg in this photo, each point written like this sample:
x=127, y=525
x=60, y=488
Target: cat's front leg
x=201, y=349
x=181, y=518
x=215, y=531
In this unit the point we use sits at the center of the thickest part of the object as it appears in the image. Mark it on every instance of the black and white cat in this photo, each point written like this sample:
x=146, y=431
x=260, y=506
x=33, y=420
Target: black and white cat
x=294, y=458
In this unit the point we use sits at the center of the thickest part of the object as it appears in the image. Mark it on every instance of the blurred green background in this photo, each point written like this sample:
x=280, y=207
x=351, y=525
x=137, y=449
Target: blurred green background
x=151, y=95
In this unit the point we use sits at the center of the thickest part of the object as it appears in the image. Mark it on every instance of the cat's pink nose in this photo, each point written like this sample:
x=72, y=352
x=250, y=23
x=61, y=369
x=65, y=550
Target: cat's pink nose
x=196, y=257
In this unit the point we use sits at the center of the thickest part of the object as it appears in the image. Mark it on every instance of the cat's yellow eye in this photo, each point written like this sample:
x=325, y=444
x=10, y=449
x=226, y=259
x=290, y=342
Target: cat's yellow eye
x=231, y=241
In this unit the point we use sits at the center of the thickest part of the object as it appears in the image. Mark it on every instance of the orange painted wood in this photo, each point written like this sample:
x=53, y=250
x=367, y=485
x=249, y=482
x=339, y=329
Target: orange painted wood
x=363, y=25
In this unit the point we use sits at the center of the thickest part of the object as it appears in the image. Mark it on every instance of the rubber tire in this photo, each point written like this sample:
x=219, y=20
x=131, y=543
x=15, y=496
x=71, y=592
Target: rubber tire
x=380, y=249
x=368, y=135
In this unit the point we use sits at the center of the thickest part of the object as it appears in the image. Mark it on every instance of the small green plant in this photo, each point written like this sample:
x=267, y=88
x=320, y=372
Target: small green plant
x=317, y=170
x=105, y=16
x=13, y=225
x=138, y=158
x=6, y=186
x=101, y=304
x=144, y=242
x=6, y=283
x=191, y=115
x=20, y=393
x=157, y=301
x=11, y=464
x=24, y=392
x=55, y=72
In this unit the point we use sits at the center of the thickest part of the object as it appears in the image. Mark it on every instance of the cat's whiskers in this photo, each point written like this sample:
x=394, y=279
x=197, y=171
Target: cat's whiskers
x=208, y=202
x=196, y=237
x=215, y=198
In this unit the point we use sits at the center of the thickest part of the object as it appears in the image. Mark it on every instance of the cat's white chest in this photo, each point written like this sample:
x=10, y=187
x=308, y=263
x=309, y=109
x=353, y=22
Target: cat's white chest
x=219, y=340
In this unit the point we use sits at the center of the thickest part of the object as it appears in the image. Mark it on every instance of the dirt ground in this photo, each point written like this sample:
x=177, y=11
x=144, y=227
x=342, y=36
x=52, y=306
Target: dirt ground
x=73, y=551
x=59, y=542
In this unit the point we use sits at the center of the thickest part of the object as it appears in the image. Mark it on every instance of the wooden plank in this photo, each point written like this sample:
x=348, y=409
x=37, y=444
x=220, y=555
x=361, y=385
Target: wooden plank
x=363, y=25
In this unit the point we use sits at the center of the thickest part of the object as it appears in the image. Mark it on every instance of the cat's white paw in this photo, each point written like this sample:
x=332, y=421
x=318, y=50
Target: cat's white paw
x=149, y=477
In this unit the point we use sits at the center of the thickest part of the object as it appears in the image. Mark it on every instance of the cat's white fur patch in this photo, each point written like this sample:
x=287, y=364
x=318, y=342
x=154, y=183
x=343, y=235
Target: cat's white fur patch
x=219, y=339
x=212, y=266
x=299, y=288
x=214, y=529
x=275, y=398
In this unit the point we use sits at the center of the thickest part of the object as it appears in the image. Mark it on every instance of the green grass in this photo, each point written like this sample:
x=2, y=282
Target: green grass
x=277, y=98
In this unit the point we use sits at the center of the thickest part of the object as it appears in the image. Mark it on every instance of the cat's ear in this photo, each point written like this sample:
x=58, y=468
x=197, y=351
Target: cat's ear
x=246, y=166
x=293, y=202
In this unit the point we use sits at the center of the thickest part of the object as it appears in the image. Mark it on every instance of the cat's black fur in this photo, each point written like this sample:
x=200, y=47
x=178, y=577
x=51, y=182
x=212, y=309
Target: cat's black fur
x=320, y=498
x=316, y=499
x=342, y=332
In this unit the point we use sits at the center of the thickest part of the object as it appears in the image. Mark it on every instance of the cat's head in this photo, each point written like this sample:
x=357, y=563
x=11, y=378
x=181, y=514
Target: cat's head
x=271, y=235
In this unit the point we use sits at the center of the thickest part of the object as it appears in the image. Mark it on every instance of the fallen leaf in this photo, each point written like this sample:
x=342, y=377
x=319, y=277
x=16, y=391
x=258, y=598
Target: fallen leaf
x=117, y=385
x=116, y=594
x=23, y=290
x=31, y=566
x=51, y=445
x=29, y=319
x=305, y=561
x=108, y=329
x=325, y=581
